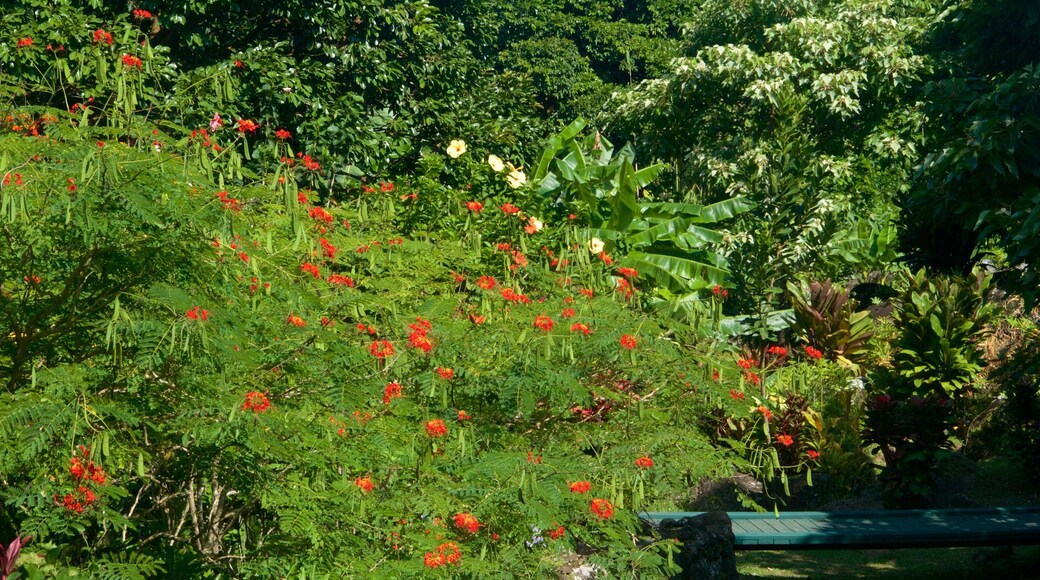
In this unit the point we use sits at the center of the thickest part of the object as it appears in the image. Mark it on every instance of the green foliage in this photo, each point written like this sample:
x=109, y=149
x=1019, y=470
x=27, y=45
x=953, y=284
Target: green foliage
x=940, y=323
x=800, y=108
x=977, y=182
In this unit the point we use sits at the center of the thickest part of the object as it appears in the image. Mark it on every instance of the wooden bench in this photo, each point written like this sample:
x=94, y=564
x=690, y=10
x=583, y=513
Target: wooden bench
x=877, y=529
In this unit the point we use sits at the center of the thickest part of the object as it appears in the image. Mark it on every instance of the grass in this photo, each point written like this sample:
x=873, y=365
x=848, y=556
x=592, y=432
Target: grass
x=916, y=564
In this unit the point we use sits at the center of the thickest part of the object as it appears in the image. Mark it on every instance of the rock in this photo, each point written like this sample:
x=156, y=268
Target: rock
x=722, y=494
x=707, y=546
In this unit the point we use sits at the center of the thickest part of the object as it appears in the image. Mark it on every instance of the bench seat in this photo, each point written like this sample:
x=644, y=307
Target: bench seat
x=877, y=529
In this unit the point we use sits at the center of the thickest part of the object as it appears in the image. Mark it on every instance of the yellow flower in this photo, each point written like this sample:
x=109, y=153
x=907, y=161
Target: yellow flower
x=516, y=177
x=456, y=148
x=496, y=163
x=596, y=245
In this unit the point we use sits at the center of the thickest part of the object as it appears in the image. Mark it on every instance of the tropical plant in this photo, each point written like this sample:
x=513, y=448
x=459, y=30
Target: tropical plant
x=827, y=318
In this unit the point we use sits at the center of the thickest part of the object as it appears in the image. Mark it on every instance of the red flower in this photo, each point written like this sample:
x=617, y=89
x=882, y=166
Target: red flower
x=391, y=392
x=785, y=440
x=102, y=36
x=557, y=533
x=432, y=560
x=605, y=258
x=624, y=287
x=467, y=522
x=445, y=374
x=419, y=340
x=628, y=341
x=282, y=135
x=765, y=412
x=464, y=416
x=141, y=14
x=436, y=428
x=543, y=322
x=644, y=462
x=310, y=269
x=582, y=328
x=131, y=61
x=745, y=363
x=256, y=402
x=736, y=395
x=381, y=348
x=752, y=378
x=586, y=292
x=197, y=314
x=295, y=320
x=247, y=126
x=580, y=487
x=813, y=353
x=628, y=272
x=510, y=209
x=486, y=282
x=776, y=350
x=25, y=42
x=386, y=186
x=813, y=454
x=474, y=206
x=320, y=214
x=477, y=319
x=329, y=249
x=447, y=553
x=365, y=483
x=567, y=313
x=601, y=508
x=341, y=280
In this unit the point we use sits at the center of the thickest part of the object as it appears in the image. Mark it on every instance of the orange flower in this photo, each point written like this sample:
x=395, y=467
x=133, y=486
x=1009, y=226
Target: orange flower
x=247, y=126
x=364, y=483
x=467, y=522
x=601, y=508
x=131, y=61
x=486, y=282
x=628, y=341
x=282, y=135
x=644, y=462
x=813, y=353
x=745, y=363
x=557, y=533
x=445, y=373
x=580, y=486
x=436, y=428
x=582, y=328
x=341, y=280
x=474, y=206
x=509, y=208
x=256, y=402
x=543, y=322
x=785, y=440
x=432, y=560
x=765, y=412
x=567, y=313
x=628, y=272
x=381, y=348
x=464, y=416
x=813, y=454
x=391, y=392
x=295, y=320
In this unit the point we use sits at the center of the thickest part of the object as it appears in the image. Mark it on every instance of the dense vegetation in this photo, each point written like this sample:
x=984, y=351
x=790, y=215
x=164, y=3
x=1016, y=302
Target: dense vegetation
x=378, y=288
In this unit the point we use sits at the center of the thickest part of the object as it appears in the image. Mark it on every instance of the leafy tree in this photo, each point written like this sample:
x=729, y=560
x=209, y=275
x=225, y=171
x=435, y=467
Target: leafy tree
x=977, y=186
x=802, y=109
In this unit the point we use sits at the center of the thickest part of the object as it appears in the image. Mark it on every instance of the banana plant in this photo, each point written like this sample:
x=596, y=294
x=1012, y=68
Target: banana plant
x=667, y=242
